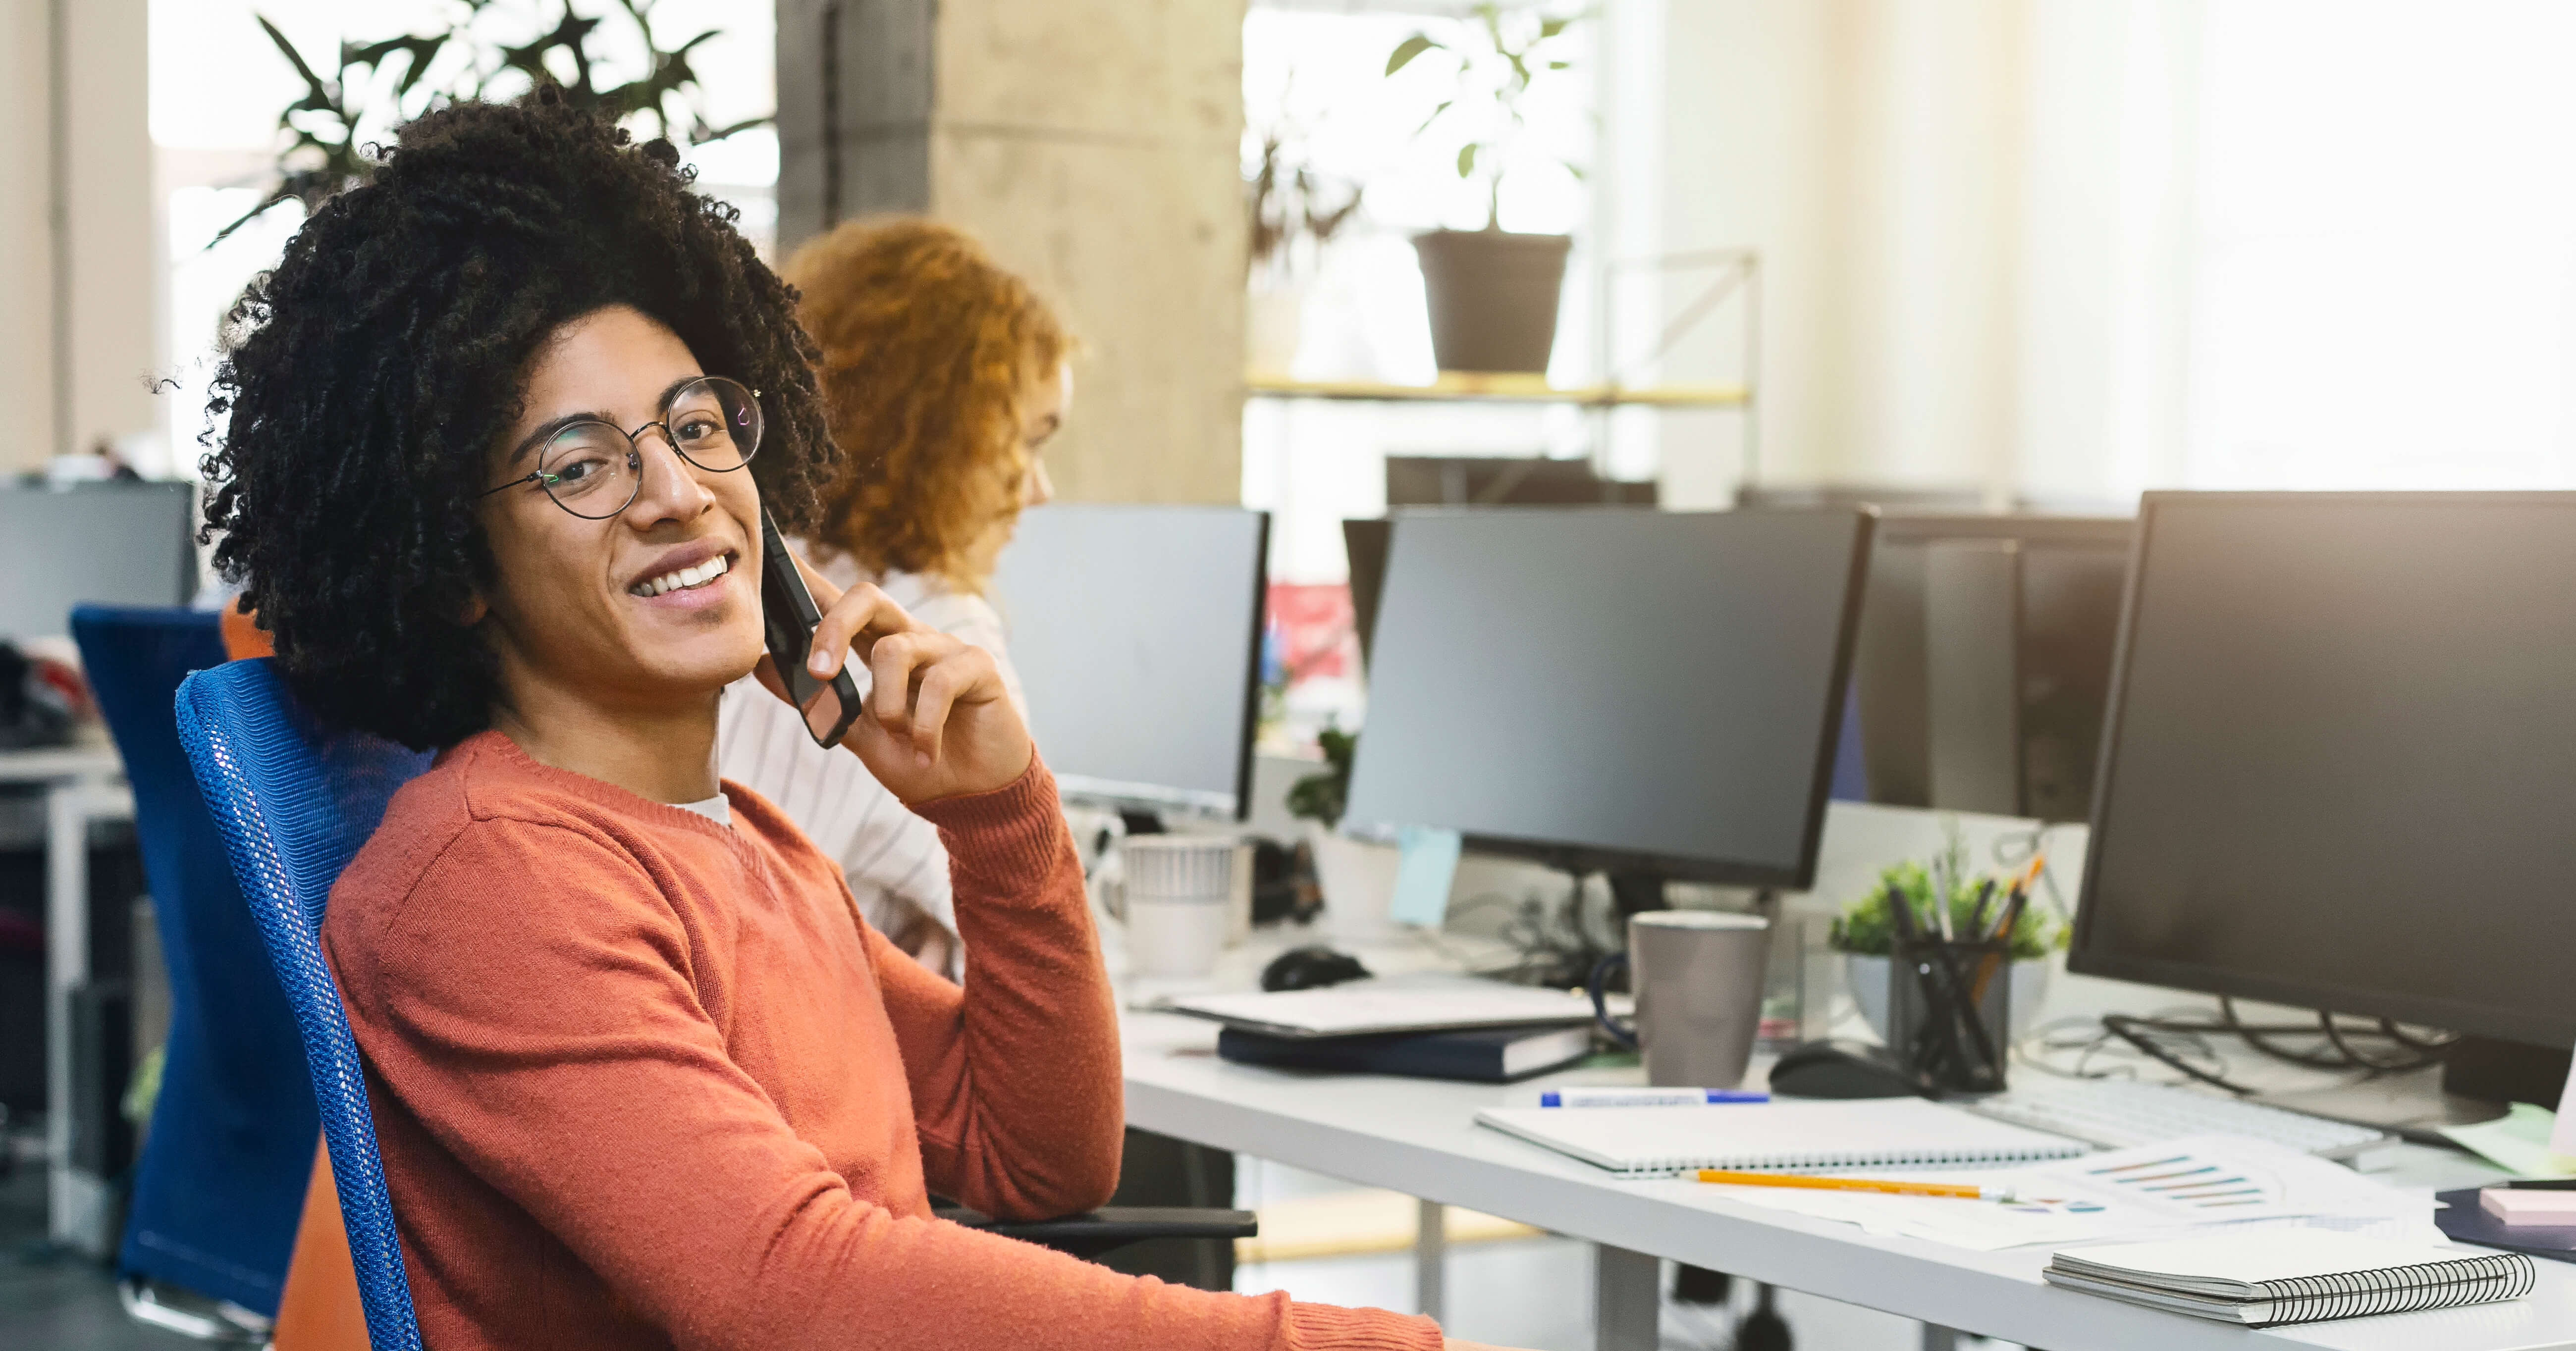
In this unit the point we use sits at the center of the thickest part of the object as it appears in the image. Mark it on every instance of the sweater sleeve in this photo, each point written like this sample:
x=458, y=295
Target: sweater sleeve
x=1016, y=1089
x=549, y=1036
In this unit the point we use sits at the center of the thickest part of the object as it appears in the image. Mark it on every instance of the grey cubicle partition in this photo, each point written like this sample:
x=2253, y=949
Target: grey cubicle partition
x=102, y=543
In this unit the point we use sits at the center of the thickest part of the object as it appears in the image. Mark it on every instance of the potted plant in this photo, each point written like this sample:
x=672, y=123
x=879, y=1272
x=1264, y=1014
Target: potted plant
x=1295, y=211
x=378, y=84
x=1865, y=934
x=1356, y=876
x=1492, y=293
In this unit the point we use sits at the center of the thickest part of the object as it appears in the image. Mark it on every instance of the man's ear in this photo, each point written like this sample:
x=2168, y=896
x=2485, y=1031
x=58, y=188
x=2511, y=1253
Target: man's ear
x=474, y=610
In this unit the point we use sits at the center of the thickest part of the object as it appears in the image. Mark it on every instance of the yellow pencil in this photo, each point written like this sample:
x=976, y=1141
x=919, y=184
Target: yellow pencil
x=1846, y=1184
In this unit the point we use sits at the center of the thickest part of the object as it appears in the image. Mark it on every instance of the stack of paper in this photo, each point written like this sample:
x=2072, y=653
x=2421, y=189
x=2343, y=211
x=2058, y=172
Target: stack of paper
x=2177, y=1186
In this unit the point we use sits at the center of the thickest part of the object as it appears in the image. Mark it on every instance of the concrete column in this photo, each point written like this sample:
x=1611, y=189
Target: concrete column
x=78, y=240
x=1094, y=145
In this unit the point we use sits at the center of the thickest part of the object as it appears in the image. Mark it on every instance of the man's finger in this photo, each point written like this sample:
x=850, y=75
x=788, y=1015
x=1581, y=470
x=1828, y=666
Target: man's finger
x=862, y=616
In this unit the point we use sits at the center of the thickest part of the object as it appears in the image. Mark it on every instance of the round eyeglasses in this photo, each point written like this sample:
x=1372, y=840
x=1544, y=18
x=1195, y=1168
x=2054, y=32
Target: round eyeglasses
x=594, y=470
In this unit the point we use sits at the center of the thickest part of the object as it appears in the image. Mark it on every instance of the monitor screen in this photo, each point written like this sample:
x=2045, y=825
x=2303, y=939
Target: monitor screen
x=1658, y=691
x=1136, y=631
x=98, y=543
x=2066, y=575
x=2340, y=768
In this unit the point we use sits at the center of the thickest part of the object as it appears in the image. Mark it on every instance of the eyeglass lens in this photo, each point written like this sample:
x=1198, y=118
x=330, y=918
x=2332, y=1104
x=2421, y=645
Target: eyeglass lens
x=593, y=469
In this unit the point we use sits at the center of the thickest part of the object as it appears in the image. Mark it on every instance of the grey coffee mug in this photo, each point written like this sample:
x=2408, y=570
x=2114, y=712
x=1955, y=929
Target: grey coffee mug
x=1697, y=975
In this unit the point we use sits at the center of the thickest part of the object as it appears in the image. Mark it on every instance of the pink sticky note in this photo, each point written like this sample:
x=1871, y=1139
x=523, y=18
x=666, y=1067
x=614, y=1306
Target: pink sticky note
x=2516, y=1206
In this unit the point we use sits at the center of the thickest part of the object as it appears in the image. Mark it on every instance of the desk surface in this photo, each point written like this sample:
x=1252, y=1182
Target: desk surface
x=58, y=764
x=1419, y=1137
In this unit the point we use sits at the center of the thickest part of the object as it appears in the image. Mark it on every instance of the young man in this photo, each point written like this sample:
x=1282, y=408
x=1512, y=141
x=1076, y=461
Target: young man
x=501, y=425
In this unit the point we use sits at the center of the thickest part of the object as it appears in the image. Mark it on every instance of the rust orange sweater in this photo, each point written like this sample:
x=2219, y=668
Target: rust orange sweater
x=641, y=1080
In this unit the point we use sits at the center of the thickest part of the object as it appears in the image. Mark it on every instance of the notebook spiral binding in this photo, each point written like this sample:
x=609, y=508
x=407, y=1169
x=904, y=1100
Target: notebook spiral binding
x=2430, y=1285
x=1651, y=1168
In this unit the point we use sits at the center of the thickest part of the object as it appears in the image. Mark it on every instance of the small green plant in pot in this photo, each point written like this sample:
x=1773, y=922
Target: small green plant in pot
x=1865, y=932
x=1356, y=876
x=1492, y=293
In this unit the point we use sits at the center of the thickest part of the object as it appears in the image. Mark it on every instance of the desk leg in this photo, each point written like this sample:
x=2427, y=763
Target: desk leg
x=1940, y=1338
x=1431, y=1259
x=1625, y=1300
x=76, y=1200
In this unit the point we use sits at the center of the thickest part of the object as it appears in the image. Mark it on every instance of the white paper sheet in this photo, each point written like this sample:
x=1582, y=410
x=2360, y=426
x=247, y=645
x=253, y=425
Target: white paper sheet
x=2199, y=1182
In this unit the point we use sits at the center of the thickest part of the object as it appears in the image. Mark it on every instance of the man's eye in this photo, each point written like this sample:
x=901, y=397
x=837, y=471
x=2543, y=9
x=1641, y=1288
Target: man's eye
x=701, y=427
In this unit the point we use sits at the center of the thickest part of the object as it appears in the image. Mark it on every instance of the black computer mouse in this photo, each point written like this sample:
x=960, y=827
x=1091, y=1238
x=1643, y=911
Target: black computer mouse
x=1826, y=1069
x=1309, y=968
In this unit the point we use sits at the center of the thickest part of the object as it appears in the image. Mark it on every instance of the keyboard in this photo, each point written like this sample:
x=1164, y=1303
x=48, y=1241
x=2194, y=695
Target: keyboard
x=2117, y=1113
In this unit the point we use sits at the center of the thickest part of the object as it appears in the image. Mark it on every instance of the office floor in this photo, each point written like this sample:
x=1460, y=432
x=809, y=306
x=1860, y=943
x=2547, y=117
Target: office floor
x=51, y=1300
x=1537, y=1293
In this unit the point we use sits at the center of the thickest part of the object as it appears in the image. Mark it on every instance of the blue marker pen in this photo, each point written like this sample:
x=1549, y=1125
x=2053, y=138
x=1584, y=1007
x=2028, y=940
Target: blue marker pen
x=1645, y=1097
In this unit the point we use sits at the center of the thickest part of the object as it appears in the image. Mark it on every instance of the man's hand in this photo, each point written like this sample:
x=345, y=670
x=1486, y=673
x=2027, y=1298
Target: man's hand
x=937, y=721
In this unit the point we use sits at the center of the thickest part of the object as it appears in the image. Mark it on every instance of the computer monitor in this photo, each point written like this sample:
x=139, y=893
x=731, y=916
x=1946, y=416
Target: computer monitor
x=1645, y=692
x=94, y=543
x=2340, y=757
x=1364, y=543
x=1985, y=659
x=1506, y=481
x=1136, y=631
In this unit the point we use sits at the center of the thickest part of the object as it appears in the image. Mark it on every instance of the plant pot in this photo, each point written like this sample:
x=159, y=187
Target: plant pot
x=1492, y=296
x=1274, y=321
x=1357, y=878
x=1867, y=979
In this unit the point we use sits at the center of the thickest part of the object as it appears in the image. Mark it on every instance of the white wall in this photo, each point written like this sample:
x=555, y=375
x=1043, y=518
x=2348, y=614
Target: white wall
x=1964, y=208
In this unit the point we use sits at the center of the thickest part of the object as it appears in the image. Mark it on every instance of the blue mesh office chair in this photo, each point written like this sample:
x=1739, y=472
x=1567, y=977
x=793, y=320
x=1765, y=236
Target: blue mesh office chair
x=222, y=1175
x=293, y=806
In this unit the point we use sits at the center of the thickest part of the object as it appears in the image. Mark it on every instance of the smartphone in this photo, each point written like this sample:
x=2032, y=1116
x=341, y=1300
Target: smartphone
x=789, y=614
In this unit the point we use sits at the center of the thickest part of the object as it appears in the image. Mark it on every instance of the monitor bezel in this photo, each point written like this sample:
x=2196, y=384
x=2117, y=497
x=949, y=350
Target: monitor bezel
x=2083, y=957
x=1585, y=859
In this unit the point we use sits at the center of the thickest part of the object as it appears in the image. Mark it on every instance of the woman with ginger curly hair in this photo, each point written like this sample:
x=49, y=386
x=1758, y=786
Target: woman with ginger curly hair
x=943, y=375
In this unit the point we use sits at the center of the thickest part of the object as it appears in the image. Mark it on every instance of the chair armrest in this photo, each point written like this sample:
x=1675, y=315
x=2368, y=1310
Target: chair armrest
x=1111, y=1227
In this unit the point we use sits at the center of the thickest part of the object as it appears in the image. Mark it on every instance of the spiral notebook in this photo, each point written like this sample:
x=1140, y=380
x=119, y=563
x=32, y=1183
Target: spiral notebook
x=2268, y=1276
x=1786, y=1135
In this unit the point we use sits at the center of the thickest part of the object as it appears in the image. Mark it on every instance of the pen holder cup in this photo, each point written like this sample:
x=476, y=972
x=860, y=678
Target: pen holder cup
x=1949, y=1008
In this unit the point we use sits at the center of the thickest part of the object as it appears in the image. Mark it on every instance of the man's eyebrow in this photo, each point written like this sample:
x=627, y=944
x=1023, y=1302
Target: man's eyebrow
x=545, y=431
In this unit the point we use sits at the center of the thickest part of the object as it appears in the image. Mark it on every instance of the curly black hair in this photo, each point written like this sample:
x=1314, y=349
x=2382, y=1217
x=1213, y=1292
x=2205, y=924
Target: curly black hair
x=368, y=374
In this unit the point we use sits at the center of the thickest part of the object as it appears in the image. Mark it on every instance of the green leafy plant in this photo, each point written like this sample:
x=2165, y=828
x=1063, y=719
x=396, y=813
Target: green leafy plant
x=1289, y=201
x=1321, y=797
x=1867, y=928
x=378, y=84
x=1495, y=56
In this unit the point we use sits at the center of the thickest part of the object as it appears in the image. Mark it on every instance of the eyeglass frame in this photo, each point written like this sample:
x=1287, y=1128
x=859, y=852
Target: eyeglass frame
x=635, y=449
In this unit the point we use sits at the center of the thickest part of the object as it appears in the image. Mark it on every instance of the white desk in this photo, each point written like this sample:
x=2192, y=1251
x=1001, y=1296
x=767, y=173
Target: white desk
x=1419, y=1137
x=80, y=787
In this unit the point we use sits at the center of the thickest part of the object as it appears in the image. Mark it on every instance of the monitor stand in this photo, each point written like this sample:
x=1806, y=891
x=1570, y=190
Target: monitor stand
x=2412, y=1105
x=1141, y=820
x=2478, y=1077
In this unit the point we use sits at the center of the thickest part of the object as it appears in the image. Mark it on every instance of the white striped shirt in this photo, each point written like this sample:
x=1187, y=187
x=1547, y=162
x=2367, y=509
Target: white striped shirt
x=892, y=858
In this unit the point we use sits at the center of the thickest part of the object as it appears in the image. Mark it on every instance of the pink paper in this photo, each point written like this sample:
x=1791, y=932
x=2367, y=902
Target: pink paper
x=2518, y=1206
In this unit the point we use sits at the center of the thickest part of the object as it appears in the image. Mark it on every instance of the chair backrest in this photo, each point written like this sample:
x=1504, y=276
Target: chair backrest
x=223, y=1171
x=293, y=804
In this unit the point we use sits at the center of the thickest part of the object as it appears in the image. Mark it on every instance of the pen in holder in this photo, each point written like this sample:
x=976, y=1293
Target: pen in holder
x=1948, y=1005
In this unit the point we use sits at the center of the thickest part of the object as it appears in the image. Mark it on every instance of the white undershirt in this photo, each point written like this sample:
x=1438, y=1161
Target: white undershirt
x=715, y=809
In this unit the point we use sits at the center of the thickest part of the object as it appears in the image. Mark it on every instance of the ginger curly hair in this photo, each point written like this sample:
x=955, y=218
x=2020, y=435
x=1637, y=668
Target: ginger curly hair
x=928, y=346
x=367, y=375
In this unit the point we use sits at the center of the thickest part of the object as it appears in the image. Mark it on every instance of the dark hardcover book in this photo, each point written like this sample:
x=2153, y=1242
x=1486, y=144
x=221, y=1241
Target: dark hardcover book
x=2465, y=1221
x=1491, y=1055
